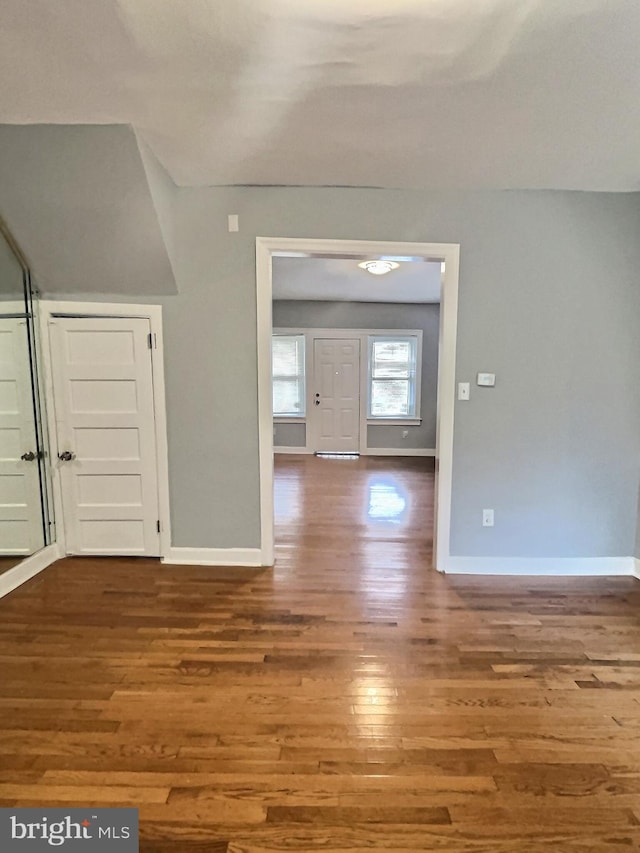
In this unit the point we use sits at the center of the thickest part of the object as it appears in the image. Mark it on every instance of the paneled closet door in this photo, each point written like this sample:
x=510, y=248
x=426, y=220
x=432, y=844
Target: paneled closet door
x=103, y=391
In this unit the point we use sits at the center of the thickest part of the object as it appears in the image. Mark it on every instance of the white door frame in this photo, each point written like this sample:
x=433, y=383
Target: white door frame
x=266, y=248
x=152, y=313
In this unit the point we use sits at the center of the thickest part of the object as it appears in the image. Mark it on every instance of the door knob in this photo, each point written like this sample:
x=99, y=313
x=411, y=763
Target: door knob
x=29, y=456
x=66, y=456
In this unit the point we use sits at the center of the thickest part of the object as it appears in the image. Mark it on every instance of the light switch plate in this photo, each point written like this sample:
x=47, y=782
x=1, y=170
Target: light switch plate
x=487, y=518
x=487, y=379
x=464, y=390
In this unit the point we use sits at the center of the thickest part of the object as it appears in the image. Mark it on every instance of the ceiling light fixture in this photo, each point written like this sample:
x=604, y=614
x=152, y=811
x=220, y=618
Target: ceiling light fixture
x=379, y=267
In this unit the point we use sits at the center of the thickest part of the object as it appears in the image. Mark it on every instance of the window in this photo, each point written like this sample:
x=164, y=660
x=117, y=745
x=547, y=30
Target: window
x=393, y=377
x=287, y=353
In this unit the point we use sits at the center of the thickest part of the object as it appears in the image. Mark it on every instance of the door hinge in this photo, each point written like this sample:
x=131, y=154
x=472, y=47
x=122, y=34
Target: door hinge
x=158, y=525
x=150, y=340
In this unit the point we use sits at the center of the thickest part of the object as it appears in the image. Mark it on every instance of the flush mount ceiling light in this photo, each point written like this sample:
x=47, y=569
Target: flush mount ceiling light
x=379, y=267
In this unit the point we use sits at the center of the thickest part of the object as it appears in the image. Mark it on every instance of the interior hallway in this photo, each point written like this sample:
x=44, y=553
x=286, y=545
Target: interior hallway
x=349, y=699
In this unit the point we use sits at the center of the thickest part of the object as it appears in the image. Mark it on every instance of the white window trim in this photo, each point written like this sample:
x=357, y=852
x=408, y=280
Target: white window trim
x=399, y=420
x=394, y=421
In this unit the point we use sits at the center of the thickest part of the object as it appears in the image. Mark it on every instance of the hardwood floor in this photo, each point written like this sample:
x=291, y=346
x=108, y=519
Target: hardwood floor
x=7, y=563
x=351, y=699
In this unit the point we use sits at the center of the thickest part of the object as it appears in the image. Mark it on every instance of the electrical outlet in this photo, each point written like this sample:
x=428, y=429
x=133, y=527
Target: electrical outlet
x=487, y=518
x=405, y=433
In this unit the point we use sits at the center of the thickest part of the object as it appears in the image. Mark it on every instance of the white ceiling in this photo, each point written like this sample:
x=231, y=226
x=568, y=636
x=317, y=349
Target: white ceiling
x=340, y=279
x=391, y=93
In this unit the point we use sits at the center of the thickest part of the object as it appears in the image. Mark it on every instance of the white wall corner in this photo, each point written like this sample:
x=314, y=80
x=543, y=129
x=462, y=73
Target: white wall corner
x=252, y=557
x=544, y=566
x=636, y=568
x=29, y=568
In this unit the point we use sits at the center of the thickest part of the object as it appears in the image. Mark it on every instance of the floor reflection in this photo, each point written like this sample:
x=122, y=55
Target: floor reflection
x=387, y=500
x=373, y=514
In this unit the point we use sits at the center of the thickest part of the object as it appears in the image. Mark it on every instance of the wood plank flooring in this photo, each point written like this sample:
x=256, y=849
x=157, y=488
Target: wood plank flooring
x=7, y=563
x=351, y=699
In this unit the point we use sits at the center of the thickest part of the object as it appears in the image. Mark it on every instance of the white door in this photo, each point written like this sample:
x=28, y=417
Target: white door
x=335, y=410
x=103, y=392
x=21, y=530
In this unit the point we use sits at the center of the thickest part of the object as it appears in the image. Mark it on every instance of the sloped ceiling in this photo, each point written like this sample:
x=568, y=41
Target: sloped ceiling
x=341, y=280
x=78, y=202
x=391, y=93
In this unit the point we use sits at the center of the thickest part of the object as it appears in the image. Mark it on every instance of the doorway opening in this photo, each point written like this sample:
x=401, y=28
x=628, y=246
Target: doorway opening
x=344, y=390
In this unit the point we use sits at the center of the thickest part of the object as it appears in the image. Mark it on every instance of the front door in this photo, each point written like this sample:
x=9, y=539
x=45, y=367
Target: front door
x=21, y=525
x=103, y=391
x=335, y=410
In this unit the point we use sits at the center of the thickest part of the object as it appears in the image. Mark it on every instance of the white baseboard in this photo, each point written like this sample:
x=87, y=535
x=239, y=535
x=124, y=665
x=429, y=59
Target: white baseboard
x=370, y=451
x=28, y=568
x=543, y=566
x=213, y=557
x=399, y=451
x=636, y=568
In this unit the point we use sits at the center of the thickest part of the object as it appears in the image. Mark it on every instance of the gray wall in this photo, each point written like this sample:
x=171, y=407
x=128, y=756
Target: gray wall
x=636, y=550
x=78, y=202
x=11, y=278
x=375, y=315
x=289, y=435
x=549, y=301
x=163, y=191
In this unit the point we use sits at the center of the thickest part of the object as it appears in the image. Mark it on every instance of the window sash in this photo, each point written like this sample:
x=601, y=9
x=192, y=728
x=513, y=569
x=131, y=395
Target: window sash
x=392, y=371
x=383, y=392
x=288, y=376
